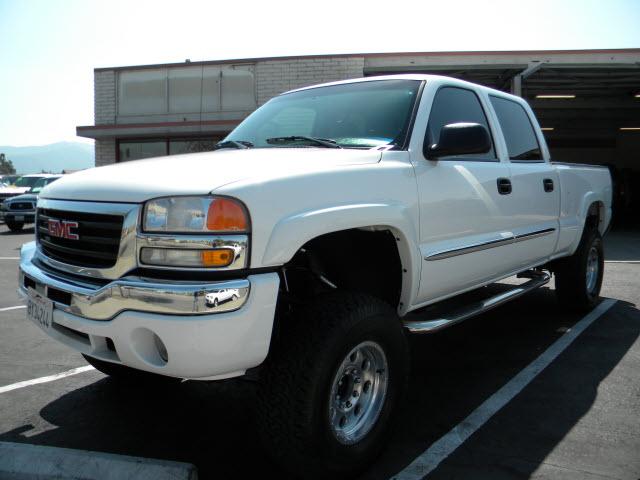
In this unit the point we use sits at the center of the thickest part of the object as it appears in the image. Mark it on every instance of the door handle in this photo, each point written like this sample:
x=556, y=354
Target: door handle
x=504, y=186
x=548, y=185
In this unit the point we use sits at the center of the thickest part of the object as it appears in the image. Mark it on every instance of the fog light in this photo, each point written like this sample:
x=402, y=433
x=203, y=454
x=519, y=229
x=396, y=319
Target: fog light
x=174, y=257
x=217, y=258
x=162, y=350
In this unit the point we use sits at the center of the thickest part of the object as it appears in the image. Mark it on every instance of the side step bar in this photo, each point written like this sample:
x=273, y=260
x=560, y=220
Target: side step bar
x=415, y=323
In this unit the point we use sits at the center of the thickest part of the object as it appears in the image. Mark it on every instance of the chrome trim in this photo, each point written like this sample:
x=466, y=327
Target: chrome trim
x=536, y=234
x=131, y=293
x=468, y=249
x=440, y=255
x=238, y=243
x=133, y=240
x=126, y=260
x=415, y=324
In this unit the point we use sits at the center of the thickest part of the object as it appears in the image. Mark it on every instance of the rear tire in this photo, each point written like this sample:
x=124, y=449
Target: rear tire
x=579, y=277
x=14, y=226
x=331, y=385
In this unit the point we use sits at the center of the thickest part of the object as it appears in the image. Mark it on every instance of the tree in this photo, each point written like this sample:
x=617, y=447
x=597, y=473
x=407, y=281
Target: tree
x=6, y=166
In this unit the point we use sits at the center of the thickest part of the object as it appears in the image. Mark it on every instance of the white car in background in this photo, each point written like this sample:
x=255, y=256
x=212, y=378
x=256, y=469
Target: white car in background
x=221, y=296
x=21, y=209
x=22, y=185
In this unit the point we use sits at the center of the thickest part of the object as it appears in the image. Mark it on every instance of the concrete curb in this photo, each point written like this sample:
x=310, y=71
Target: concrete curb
x=19, y=461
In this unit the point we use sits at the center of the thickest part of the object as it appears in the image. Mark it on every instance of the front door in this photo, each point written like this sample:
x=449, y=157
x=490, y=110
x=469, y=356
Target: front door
x=465, y=228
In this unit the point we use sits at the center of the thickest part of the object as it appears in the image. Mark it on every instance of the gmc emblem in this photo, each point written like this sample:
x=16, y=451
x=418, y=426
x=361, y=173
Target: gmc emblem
x=62, y=229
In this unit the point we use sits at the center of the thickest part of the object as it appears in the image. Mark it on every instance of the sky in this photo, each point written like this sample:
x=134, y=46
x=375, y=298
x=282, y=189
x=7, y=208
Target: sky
x=49, y=48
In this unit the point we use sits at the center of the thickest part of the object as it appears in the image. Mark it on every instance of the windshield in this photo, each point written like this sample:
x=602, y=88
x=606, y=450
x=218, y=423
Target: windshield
x=41, y=183
x=353, y=115
x=26, y=181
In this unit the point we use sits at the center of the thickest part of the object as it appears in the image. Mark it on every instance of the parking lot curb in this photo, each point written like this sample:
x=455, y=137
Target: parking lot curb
x=19, y=461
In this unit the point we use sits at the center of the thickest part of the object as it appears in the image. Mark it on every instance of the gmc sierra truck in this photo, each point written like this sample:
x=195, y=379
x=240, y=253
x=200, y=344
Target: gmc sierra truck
x=323, y=230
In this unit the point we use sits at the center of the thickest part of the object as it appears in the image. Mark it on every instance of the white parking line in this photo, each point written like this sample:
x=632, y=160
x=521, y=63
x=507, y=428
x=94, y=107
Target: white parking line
x=9, y=258
x=446, y=445
x=6, y=309
x=50, y=378
x=622, y=261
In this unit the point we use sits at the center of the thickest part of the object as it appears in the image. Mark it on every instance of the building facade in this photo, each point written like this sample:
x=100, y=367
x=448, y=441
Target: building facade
x=587, y=101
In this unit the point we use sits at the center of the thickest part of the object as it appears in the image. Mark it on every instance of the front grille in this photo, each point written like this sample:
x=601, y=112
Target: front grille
x=98, y=240
x=21, y=206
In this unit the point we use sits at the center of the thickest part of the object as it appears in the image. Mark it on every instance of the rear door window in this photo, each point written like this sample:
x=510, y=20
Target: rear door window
x=522, y=143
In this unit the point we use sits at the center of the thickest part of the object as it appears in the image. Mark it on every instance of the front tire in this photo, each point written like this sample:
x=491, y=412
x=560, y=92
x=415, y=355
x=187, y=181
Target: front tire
x=579, y=277
x=14, y=226
x=331, y=386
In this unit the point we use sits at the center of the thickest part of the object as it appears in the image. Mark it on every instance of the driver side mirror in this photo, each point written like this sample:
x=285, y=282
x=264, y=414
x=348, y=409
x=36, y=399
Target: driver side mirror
x=459, y=139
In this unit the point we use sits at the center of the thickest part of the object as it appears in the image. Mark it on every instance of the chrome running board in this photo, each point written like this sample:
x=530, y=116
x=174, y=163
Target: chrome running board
x=416, y=323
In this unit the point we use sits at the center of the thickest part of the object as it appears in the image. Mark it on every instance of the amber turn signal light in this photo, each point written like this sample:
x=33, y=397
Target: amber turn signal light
x=221, y=257
x=227, y=215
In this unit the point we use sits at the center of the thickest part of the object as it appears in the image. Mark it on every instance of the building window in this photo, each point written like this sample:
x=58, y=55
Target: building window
x=141, y=149
x=160, y=147
x=186, y=90
x=177, y=147
x=142, y=92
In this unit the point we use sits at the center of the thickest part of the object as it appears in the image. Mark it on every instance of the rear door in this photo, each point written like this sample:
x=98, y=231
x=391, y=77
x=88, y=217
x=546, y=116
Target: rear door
x=534, y=206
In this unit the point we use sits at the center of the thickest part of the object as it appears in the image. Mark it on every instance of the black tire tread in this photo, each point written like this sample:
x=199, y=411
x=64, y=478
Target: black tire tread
x=290, y=373
x=14, y=226
x=570, y=274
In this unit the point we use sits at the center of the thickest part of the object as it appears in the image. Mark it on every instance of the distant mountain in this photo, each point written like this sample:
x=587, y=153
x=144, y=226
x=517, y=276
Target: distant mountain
x=51, y=158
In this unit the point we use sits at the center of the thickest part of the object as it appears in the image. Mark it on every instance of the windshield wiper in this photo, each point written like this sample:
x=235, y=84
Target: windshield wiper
x=324, y=142
x=240, y=144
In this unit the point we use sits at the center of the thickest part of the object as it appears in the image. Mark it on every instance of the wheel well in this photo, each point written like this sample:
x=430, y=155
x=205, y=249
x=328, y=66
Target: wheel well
x=358, y=260
x=595, y=216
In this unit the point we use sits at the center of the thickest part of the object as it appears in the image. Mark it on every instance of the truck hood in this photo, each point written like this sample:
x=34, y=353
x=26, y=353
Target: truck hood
x=26, y=197
x=198, y=173
x=13, y=190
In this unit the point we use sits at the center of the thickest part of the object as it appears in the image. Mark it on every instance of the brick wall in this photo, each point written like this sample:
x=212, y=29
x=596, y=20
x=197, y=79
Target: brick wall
x=105, y=152
x=104, y=104
x=276, y=76
x=104, y=97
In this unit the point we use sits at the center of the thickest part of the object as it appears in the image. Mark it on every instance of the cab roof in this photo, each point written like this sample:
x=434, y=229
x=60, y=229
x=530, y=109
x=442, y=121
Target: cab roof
x=415, y=76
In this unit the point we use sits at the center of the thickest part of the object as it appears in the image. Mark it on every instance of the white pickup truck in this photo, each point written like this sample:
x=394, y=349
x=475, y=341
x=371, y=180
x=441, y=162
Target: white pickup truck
x=334, y=215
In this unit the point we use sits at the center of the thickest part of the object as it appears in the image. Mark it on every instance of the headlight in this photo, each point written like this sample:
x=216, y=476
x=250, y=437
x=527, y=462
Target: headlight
x=198, y=232
x=195, y=214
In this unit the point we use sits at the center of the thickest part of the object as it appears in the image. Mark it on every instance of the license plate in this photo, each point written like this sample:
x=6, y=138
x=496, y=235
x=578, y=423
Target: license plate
x=19, y=218
x=39, y=310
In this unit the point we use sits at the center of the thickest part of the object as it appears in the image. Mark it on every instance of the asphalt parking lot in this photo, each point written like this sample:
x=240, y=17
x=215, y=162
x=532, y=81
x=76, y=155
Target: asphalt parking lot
x=578, y=418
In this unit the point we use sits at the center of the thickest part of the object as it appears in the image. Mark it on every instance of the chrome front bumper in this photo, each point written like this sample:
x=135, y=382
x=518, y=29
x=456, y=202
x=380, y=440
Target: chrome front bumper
x=130, y=293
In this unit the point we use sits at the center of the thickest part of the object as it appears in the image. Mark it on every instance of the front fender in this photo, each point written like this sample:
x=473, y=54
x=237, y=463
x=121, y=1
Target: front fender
x=292, y=232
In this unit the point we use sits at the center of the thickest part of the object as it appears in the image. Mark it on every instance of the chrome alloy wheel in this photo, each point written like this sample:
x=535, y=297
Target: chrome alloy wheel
x=593, y=269
x=358, y=393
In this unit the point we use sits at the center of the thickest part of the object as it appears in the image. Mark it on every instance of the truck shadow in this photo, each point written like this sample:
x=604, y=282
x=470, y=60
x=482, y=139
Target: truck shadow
x=211, y=425
x=24, y=231
x=623, y=244
x=455, y=373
